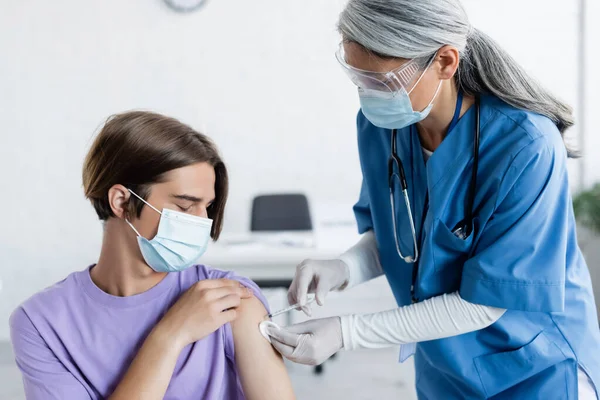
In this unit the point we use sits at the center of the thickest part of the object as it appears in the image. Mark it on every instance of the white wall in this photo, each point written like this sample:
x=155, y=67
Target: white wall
x=260, y=76
x=592, y=122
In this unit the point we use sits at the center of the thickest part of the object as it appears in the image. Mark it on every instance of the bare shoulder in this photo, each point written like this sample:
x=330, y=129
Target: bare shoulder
x=251, y=311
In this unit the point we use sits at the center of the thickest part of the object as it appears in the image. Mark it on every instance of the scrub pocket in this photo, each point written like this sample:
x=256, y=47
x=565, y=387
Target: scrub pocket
x=501, y=371
x=450, y=251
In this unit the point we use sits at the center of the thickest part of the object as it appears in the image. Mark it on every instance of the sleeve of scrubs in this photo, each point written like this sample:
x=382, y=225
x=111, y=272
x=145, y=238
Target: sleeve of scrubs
x=362, y=210
x=519, y=258
x=44, y=376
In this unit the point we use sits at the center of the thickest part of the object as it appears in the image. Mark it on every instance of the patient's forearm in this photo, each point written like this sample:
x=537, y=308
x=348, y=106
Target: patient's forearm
x=150, y=372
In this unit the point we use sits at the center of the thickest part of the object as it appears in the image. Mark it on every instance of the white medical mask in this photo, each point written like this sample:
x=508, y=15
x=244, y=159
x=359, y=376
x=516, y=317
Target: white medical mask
x=393, y=110
x=180, y=241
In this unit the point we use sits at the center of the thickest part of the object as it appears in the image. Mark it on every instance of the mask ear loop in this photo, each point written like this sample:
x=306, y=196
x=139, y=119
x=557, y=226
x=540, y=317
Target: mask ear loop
x=437, y=91
x=421, y=77
x=132, y=227
x=145, y=202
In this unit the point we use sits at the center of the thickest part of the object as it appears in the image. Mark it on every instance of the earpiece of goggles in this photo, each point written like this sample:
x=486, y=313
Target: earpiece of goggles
x=392, y=81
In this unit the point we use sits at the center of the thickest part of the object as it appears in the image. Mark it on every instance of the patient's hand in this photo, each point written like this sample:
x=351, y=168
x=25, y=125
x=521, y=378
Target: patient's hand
x=262, y=372
x=202, y=309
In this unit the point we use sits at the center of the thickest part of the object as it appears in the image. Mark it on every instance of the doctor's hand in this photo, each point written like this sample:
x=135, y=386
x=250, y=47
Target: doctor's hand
x=319, y=277
x=311, y=342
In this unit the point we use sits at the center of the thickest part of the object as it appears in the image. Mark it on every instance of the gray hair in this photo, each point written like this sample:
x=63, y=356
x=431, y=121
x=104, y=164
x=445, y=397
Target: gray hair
x=418, y=29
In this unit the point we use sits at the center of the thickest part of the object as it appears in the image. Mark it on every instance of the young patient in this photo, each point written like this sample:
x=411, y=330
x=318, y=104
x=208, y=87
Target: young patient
x=145, y=322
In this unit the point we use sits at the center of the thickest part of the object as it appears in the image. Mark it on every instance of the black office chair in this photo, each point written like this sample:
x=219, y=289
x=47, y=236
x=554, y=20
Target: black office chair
x=281, y=212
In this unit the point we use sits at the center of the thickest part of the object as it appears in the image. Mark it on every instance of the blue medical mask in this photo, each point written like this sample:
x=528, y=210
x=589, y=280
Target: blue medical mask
x=392, y=110
x=180, y=241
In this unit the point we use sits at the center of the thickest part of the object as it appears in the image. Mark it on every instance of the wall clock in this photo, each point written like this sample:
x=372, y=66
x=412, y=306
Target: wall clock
x=185, y=6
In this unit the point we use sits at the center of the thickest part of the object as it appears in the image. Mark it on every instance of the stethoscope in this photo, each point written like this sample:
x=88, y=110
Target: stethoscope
x=463, y=229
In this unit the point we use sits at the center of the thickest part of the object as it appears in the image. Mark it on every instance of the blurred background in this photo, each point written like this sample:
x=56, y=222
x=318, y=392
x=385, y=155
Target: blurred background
x=261, y=79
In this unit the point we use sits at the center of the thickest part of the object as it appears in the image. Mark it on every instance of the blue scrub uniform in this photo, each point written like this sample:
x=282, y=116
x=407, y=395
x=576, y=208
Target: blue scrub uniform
x=522, y=254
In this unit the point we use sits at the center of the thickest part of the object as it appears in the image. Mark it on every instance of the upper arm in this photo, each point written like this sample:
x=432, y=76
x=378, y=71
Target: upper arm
x=520, y=258
x=250, y=348
x=270, y=380
x=44, y=376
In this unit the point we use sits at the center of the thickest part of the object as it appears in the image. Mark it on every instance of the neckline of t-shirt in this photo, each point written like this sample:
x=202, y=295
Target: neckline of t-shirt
x=97, y=294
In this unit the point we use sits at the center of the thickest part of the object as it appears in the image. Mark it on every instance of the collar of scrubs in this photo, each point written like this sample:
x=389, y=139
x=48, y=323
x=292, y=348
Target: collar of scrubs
x=456, y=117
x=459, y=100
x=452, y=155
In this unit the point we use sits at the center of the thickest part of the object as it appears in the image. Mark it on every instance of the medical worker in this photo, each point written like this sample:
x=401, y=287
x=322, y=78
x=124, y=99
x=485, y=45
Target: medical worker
x=465, y=207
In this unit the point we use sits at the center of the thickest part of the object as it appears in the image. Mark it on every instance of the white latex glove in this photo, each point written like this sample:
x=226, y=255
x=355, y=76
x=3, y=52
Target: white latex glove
x=311, y=342
x=318, y=277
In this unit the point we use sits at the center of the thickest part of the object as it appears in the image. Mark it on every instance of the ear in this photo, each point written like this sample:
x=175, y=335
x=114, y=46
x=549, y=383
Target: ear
x=118, y=199
x=448, y=58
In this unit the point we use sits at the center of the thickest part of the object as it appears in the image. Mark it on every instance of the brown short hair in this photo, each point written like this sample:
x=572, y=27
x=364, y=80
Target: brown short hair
x=136, y=149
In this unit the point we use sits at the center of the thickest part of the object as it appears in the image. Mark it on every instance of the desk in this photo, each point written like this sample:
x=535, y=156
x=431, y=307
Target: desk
x=270, y=259
x=263, y=262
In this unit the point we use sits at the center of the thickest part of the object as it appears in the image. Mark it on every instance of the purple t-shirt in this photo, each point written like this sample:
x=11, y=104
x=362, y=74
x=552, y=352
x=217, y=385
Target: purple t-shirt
x=74, y=341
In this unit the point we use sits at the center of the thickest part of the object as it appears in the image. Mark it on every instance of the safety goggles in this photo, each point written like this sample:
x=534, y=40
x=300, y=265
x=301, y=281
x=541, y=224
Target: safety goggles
x=387, y=82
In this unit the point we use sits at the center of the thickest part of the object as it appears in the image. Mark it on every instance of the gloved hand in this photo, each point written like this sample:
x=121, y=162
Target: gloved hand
x=319, y=277
x=311, y=342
